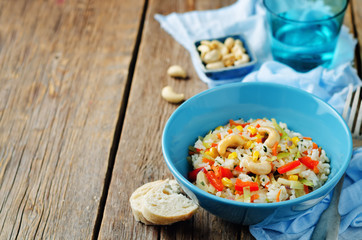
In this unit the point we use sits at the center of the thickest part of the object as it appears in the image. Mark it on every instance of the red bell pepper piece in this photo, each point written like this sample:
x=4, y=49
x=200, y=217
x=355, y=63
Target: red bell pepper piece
x=233, y=123
x=193, y=174
x=214, y=144
x=306, y=189
x=221, y=172
x=216, y=182
x=254, y=197
x=239, y=185
x=209, y=161
x=238, y=168
x=308, y=162
x=217, y=171
x=225, y=172
x=289, y=166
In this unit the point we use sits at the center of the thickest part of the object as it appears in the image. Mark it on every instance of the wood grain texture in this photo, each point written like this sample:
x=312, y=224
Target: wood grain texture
x=63, y=71
x=139, y=159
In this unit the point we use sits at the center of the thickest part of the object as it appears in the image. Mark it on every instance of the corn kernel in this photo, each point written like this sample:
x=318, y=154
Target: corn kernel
x=240, y=128
x=248, y=144
x=212, y=152
x=292, y=146
x=218, y=128
x=293, y=177
x=256, y=155
x=252, y=129
x=295, y=140
x=227, y=182
x=233, y=155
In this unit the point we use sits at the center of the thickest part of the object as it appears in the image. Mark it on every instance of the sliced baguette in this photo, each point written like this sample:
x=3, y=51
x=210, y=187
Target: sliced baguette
x=137, y=198
x=165, y=204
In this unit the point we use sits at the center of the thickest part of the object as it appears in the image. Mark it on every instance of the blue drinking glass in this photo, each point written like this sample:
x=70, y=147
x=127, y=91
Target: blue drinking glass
x=304, y=33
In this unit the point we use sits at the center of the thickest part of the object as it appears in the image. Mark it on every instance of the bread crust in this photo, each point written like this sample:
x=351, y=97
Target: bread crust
x=165, y=204
x=137, y=198
x=161, y=203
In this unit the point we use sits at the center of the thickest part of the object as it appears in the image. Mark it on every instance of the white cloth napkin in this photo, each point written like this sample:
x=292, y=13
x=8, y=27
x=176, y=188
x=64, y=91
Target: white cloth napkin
x=330, y=84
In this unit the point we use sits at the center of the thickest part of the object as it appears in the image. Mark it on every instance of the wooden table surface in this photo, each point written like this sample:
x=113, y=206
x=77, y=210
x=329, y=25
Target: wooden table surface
x=81, y=116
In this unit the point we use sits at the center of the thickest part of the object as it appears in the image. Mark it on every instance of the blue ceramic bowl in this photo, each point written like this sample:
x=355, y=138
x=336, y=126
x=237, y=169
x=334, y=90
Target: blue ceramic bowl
x=229, y=72
x=302, y=112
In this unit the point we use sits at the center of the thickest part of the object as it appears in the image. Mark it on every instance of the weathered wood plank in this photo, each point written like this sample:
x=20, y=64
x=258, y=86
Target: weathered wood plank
x=63, y=71
x=349, y=22
x=357, y=24
x=348, y=18
x=139, y=157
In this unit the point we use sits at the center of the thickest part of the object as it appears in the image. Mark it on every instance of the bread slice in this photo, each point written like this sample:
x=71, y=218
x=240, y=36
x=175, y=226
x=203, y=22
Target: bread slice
x=166, y=204
x=137, y=198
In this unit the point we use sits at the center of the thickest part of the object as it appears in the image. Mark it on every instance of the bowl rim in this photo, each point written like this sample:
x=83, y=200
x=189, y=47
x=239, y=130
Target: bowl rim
x=328, y=186
x=236, y=35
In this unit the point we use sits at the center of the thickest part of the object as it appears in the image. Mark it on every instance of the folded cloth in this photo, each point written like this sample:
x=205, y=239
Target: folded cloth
x=330, y=84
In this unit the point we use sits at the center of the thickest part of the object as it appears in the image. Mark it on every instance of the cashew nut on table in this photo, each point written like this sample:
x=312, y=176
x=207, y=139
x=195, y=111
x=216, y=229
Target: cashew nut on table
x=171, y=96
x=176, y=71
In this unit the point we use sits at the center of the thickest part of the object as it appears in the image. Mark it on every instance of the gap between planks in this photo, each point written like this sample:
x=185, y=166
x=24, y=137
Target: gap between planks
x=119, y=127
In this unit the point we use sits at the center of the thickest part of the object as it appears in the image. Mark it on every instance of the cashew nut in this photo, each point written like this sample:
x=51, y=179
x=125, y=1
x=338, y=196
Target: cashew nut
x=212, y=56
x=224, y=50
x=228, y=60
x=260, y=168
x=237, y=50
x=203, y=48
x=244, y=58
x=215, y=65
x=229, y=42
x=171, y=96
x=231, y=52
x=229, y=141
x=216, y=44
x=238, y=42
x=206, y=43
x=176, y=71
x=273, y=135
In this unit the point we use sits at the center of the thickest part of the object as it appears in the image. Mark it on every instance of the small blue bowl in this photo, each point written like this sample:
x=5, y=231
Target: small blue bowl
x=229, y=72
x=303, y=112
